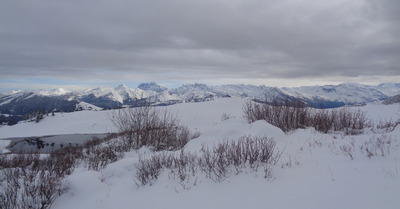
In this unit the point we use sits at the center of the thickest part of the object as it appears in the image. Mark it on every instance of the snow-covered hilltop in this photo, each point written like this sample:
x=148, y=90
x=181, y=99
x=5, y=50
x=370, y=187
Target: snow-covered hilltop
x=22, y=103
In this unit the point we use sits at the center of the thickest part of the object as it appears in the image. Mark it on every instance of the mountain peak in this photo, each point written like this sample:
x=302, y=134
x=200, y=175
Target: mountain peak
x=152, y=86
x=53, y=92
x=121, y=87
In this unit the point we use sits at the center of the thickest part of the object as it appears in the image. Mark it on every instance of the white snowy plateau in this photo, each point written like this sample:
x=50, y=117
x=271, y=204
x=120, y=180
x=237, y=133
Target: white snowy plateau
x=315, y=170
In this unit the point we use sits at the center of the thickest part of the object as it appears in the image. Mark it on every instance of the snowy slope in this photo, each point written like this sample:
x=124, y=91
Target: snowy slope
x=62, y=123
x=314, y=172
x=86, y=106
x=3, y=145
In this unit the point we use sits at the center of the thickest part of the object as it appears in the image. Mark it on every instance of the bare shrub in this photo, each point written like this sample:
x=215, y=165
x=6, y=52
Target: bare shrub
x=181, y=166
x=288, y=115
x=117, y=146
x=248, y=151
x=348, y=150
x=9, y=186
x=149, y=169
x=89, y=144
x=150, y=126
x=63, y=161
x=100, y=157
x=387, y=126
x=39, y=189
x=291, y=115
x=207, y=162
x=216, y=163
x=28, y=185
x=184, y=165
x=377, y=146
x=31, y=181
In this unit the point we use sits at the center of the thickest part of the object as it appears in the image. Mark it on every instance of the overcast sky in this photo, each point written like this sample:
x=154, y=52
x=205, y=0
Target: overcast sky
x=83, y=43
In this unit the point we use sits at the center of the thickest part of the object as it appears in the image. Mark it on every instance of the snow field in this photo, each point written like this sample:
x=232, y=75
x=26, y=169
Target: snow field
x=315, y=170
x=62, y=123
x=313, y=173
x=3, y=145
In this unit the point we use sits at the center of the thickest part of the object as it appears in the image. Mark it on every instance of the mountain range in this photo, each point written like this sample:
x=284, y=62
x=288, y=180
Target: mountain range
x=17, y=105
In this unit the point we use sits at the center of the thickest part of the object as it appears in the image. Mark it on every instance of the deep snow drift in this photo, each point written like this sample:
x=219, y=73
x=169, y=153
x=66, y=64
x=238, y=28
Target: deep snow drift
x=315, y=171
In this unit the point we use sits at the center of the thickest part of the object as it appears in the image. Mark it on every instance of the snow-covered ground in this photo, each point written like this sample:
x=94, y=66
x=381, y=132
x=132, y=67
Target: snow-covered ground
x=62, y=123
x=315, y=171
x=3, y=145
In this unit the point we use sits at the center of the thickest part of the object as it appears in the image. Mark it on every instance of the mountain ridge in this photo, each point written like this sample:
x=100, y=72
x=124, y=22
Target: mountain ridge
x=55, y=100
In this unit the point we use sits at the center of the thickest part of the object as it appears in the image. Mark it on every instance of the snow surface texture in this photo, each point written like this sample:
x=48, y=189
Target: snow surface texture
x=315, y=171
x=3, y=145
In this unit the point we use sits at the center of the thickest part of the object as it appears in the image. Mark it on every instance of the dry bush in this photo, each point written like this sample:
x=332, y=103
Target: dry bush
x=150, y=126
x=149, y=169
x=181, y=166
x=100, y=157
x=247, y=152
x=19, y=160
x=90, y=144
x=32, y=184
x=9, y=186
x=377, y=146
x=286, y=115
x=386, y=126
x=216, y=163
x=293, y=115
x=348, y=150
x=31, y=181
x=63, y=161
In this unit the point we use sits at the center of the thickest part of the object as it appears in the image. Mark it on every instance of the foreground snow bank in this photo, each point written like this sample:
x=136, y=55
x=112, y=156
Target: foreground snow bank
x=313, y=173
x=315, y=170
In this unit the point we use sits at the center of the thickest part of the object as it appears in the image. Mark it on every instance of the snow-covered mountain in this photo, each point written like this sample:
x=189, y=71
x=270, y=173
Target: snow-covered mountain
x=25, y=102
x=390, y=89
x=255, y=92
x=52, y=92
x=337, y=95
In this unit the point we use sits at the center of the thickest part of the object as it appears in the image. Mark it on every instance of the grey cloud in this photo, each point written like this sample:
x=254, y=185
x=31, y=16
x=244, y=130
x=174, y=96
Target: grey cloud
x=210, y=38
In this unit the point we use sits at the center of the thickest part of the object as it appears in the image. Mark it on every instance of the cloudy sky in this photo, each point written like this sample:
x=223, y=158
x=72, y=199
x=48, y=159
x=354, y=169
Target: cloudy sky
x=86, y=43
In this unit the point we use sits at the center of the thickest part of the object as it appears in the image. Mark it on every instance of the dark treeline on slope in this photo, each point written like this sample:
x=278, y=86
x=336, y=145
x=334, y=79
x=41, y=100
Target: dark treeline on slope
x=33, y=107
